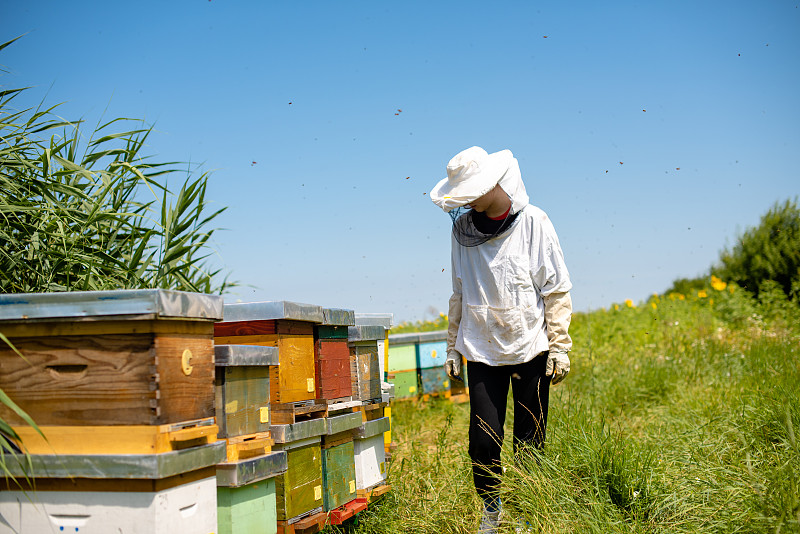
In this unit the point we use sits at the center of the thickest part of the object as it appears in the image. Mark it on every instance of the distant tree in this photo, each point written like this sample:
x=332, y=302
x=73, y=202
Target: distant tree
x=769, y=251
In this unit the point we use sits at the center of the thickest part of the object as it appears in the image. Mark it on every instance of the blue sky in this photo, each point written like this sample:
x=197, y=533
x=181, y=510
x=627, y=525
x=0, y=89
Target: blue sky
x=652, y=133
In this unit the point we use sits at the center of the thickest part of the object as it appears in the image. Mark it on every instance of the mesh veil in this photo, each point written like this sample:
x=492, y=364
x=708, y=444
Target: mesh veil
x=470, y=227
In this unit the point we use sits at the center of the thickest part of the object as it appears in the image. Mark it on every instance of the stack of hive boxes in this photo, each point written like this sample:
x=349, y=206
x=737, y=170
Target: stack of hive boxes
x=402, y=370
x=369, y=449
x=428, y=351
x=296, y=414
x=121, y=383
x=246, y=495
x=387, y=388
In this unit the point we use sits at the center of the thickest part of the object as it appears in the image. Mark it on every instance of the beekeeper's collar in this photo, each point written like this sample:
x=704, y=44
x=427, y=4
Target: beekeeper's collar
x=473, y=172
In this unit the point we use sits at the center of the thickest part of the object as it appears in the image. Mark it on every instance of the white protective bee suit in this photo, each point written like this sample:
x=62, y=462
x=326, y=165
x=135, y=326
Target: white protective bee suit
x=510, y=297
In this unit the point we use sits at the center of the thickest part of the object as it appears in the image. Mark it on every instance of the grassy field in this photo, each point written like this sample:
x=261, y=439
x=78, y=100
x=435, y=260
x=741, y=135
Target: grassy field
x=680, y=415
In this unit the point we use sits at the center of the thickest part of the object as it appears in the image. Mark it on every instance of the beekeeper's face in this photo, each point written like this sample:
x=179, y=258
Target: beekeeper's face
x=481, y=204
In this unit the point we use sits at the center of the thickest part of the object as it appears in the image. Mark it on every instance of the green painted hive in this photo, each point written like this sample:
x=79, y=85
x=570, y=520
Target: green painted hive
x=402, y=357
x=405, y=383
x=250, y=508
x=299, y=490
x=338, y=475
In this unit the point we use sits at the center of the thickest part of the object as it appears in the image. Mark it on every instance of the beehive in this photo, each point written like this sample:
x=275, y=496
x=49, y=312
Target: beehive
x=434, y=380
x=95, y=360
x=369, y=451
x=246, y=495
x=339, y=473
x=299, y=489
x=431, y=353
x=243, y=388
x=159, y=493
x=286, y=325
x=364, y=369
x=405, y=383
x=332, y=355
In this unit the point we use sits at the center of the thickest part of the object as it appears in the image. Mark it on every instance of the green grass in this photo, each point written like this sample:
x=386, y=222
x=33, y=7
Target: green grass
x=679, y=416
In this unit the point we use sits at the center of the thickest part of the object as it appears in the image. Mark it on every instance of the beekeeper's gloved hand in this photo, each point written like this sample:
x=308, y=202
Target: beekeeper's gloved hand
x=452, y=365
x=558, y=366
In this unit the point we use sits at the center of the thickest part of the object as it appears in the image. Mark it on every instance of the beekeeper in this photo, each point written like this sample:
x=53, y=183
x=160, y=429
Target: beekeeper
x=510, y=309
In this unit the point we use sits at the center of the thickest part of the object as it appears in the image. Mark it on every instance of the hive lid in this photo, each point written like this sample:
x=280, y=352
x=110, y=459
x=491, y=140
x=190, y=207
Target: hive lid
x=341, y=423
x=338, y=317
x=275, y=309
x=418, y=337
x=372, y=428
x=297, y=431
x=378, y=319
x=365, y=333
x=129, y=466
x=234, y=475
x=244, y=355
x=105, y=305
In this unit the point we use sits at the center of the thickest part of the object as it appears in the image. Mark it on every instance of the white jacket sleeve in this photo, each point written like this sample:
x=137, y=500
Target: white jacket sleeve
x=557, y=316
x=454, y=308
x=550, y=274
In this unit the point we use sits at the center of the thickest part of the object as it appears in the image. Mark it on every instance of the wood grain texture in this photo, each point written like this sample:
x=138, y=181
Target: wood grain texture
x=115, y=439
x=245, y=328
x=96, y=328
x=365, y=371
x=294, y=379
x=109, y=379
x=242, y=400
x=299, y=490
x=332, y=363
x=338, y=475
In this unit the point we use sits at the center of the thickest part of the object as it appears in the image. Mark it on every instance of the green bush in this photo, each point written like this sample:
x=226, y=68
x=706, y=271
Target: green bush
x=770, y=251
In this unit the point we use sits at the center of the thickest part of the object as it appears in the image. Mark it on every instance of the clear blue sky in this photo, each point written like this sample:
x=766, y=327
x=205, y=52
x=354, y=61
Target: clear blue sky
x=335, y=212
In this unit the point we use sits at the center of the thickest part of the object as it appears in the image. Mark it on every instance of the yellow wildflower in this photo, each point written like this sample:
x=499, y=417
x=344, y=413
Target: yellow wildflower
x=717, y=284
x=629, y=303
x=681, y=297
x=616, y=307
x=654, y=305
x=702, y=294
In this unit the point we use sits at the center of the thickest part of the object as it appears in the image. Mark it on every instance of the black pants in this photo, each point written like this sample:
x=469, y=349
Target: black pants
x=488, y=391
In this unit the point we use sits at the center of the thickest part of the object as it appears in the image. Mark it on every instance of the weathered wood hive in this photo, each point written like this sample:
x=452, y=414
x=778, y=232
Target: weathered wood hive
x=332, y=355
x=121, y=383
x=364, y=367
x=94, y=361
x=286, y=325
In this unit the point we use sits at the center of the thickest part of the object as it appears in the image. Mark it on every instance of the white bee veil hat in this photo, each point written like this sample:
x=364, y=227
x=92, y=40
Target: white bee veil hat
x=473, y=172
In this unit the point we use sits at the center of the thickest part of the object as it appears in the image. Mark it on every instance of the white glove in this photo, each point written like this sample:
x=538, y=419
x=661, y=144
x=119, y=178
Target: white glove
x=452, y=365
x=558, y=366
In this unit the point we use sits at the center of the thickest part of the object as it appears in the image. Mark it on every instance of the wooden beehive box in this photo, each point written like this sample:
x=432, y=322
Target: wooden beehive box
x=286, y=325
x=364, y=369
x=386, y=321
x=112, y=506
x=332, y=355
x=370, y=457
x=338, y=470
x=246, y=495
x=243, y=389
x=405, y=383
x=402, y=352
x=434, y=380
x=160, y=493
x=128, y=357
x=432, y=353
x=299, y=489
